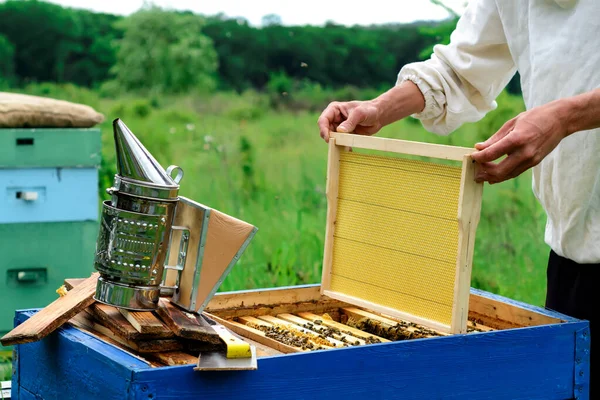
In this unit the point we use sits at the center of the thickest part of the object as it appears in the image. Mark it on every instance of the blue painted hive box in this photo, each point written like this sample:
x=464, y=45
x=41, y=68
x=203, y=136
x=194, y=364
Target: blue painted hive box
x=511, y=351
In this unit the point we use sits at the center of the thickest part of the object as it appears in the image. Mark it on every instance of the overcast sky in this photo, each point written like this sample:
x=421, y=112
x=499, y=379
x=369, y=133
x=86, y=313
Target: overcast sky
x=292, y=12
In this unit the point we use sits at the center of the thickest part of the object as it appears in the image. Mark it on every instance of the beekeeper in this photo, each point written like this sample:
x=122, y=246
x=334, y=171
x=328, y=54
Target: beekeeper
x=555, y=47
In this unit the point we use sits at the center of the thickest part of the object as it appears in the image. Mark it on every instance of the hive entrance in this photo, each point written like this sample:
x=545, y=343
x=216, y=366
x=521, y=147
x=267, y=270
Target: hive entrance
x=400, y=231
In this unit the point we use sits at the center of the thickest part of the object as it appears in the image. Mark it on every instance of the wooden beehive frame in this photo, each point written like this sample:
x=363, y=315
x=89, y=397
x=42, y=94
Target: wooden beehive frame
x=469, y=206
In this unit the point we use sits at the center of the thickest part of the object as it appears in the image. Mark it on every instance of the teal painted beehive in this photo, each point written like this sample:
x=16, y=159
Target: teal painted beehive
x=48, y=213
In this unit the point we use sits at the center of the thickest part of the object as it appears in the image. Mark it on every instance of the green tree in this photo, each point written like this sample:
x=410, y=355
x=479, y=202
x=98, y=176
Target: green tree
x=242, y=52
x=164, y=51
x=90, y=65
x=54, y=43
x=44, y=36
x=332, y=56
x=7, y=65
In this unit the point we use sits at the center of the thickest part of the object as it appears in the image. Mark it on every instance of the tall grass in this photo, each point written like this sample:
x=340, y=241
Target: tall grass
x=260, y=158
x=5, y=366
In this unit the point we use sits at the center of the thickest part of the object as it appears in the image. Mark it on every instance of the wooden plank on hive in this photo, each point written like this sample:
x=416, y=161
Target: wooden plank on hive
x=320, y=328
x=138, y=345
x=50, y=318
x=256, y=334
x=112, y=318
x=70, y=283
x=145, y=322
x=404, y=230
x=173, y=358
x=342, y=327
x=141, y=346
x=83, y=322
x=185, y=324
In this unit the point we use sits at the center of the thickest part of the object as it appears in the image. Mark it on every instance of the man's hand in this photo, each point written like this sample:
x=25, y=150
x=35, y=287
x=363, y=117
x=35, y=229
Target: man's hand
x=368, y=117
x=361, y=117
x=525, y=140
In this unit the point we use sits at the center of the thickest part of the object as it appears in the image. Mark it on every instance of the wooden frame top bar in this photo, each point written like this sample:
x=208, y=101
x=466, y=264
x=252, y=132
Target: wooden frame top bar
x=402, y=146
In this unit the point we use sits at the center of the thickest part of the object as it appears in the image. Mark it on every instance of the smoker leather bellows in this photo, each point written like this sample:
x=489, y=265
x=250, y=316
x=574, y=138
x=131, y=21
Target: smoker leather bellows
x=137, y=229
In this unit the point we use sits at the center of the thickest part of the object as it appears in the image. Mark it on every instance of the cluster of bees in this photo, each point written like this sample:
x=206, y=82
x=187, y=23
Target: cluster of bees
x=400, y=331
x=338, y=334
x=325, y=333
x=293, y=337
x=318, y=336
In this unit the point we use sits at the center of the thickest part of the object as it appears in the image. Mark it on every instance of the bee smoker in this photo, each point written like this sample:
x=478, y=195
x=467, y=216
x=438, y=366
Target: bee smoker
x=136, y=231
x=135, y=226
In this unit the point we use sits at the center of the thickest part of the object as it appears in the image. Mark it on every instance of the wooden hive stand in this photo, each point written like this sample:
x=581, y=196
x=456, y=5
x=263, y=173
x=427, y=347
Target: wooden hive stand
x=400, y=231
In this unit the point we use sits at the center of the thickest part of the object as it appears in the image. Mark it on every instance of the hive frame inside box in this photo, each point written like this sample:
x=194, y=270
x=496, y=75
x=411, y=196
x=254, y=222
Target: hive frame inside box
x=467, y=218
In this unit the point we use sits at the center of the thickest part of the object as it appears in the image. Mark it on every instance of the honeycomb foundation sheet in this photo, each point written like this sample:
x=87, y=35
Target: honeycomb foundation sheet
x=396, y=234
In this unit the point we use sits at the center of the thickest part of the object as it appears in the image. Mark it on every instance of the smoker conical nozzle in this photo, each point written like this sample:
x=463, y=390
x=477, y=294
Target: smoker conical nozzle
x=134, y=161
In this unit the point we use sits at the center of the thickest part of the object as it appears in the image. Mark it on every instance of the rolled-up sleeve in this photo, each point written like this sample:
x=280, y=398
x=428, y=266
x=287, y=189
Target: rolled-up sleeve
x=461, y=80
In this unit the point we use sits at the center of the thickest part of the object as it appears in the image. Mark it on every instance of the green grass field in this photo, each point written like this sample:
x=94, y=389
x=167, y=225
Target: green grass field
x=268, y=167
x=5, y=367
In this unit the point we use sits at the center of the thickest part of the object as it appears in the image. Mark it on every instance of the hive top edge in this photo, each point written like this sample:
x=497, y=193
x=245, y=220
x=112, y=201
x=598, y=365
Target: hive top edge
x=134, y=161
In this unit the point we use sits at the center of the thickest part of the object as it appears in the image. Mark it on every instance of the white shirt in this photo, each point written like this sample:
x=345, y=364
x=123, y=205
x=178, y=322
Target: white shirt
x=555, y=46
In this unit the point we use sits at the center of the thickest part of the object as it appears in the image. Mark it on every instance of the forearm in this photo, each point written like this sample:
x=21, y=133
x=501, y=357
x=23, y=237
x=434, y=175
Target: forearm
x=581, y=112
x=399, y=102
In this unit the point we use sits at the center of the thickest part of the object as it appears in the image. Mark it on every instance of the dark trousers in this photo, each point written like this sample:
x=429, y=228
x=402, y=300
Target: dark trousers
x=570, y=291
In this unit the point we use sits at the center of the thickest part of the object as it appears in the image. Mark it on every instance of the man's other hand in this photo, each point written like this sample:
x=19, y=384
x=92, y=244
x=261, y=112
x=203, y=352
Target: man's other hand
x=525, y=140
x=360, y=117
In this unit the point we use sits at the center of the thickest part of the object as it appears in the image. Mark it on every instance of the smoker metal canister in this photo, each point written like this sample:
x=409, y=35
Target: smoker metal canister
x=136, y=225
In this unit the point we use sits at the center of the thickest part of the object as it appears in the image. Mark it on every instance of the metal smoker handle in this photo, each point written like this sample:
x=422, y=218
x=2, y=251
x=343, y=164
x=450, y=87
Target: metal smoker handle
x=167, y=291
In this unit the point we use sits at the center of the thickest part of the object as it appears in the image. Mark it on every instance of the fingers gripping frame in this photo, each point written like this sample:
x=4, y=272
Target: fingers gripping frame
x=400, y=232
